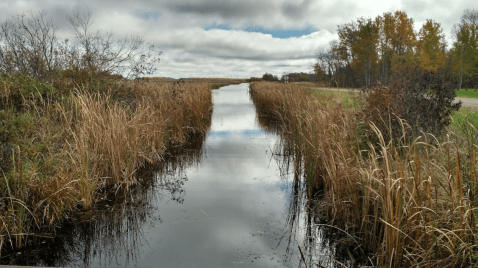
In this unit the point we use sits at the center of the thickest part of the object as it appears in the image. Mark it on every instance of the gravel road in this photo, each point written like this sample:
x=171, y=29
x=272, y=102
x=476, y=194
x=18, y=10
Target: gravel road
x=469, y=103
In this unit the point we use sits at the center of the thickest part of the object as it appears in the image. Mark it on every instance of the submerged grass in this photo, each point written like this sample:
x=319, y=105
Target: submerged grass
x=411, y=202
x=58, y=150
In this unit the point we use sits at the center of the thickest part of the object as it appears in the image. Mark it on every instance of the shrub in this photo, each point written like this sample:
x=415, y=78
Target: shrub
x=18, y=88
x=269, y=77
x=424, y=99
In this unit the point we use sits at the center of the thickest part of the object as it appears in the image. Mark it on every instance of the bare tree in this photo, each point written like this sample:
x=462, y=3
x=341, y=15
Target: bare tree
x=330, y=63
x=470, y=16
x=29, y=45
x=129, y=56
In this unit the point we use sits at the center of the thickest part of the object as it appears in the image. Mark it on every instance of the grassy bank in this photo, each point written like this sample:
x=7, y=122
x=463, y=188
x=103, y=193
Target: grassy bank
x=410, y=202
x=61, y=144
x=462, y=117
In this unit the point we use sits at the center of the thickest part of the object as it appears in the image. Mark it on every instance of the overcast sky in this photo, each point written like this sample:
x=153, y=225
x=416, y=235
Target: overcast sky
x=236, y=38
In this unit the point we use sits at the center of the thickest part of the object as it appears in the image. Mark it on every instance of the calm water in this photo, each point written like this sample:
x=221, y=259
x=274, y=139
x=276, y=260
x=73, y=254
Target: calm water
x=222, y=202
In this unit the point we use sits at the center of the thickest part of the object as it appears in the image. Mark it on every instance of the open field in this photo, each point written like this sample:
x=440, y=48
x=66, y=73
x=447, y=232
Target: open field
x=409, y=202
x=60, y=147
x=467, y=93
x=214, y=82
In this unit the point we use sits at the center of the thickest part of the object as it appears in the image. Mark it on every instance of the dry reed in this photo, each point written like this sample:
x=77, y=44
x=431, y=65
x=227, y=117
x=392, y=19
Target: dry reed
x=94, y=141
x=412, y=201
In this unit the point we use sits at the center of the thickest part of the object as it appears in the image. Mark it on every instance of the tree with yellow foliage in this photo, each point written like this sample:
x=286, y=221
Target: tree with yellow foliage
x=431, y=46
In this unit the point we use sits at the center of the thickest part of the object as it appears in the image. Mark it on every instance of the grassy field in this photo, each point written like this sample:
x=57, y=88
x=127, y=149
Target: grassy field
x=467, y=93
x=411, y=202
x=59, y=145
x=349, y=100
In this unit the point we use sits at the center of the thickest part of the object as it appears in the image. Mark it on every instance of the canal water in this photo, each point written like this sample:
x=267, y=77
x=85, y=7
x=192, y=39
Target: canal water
x=227, y=200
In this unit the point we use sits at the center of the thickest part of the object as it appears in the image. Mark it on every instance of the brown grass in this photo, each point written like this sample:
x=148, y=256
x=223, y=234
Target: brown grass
x=411, y=201
x=93, y=142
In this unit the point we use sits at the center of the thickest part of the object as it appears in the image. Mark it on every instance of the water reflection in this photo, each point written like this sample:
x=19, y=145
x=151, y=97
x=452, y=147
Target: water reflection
x=318, y=242
x=322, y=245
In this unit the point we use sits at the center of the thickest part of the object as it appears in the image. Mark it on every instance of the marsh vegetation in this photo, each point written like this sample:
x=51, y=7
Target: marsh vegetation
x=59, y=150
x=113, y=227
x=404, y=197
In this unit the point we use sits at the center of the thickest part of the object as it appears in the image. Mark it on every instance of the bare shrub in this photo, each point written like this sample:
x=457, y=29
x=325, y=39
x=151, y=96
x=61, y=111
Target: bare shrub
x=29, y=45
x=424, y=99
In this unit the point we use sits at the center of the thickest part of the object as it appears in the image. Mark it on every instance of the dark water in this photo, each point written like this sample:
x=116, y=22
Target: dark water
x=226, y=200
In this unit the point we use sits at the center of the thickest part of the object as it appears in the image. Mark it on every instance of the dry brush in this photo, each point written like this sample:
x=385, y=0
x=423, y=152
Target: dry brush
x=58, y=152
x=411, y=201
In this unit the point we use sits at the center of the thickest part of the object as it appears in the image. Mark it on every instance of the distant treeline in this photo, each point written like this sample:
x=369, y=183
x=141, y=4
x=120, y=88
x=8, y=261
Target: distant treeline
x=372, y=50
x=290, y=77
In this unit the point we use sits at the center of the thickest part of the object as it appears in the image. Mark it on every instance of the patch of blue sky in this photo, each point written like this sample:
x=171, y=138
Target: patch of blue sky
x=218, y=26
x=276, y=33
x=146, y=15
x=282, y=33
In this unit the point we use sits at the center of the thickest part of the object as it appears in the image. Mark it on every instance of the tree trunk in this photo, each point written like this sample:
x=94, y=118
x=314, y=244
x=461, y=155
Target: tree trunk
x=461, y=75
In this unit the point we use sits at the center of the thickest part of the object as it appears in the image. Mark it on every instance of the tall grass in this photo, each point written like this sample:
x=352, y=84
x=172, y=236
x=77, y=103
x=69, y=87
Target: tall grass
x=410, y=201
x=463, y=117
x=113, y=140
x=57, y=152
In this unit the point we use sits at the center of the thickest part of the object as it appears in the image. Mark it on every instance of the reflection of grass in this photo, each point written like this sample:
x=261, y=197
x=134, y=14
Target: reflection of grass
x=462, y=116
x=467, y=93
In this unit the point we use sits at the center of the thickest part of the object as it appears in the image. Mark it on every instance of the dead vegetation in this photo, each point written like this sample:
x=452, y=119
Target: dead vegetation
x=410, y=199
x=58, y=150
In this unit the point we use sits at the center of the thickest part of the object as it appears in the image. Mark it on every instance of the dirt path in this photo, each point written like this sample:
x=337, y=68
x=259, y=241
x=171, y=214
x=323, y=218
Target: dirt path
x=468, y=103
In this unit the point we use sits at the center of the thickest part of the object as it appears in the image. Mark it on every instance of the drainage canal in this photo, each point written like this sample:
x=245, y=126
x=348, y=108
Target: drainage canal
x=226, y=200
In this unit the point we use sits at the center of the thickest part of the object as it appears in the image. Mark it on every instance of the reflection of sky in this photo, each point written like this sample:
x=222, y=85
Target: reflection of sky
x=234, y=203
x=244, y=133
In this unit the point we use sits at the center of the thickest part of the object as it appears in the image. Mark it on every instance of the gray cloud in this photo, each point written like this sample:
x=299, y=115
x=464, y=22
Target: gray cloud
x=297, y=10
x=227, y=10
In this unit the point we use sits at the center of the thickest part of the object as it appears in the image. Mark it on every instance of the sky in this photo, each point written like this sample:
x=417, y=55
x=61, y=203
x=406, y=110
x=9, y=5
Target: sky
x=235, y=38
